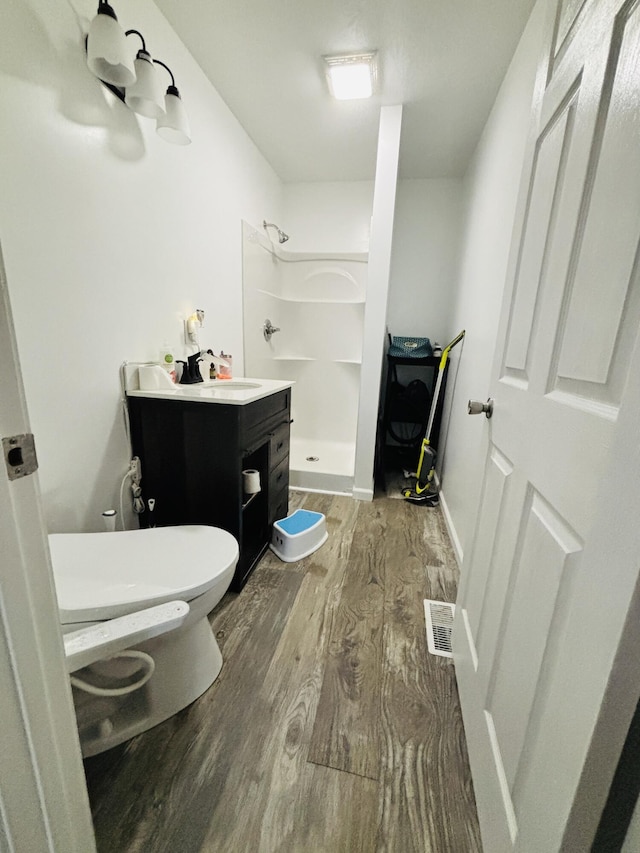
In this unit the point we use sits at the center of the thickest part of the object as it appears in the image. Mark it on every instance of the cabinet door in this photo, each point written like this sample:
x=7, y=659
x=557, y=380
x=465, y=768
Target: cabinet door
x=156, y=435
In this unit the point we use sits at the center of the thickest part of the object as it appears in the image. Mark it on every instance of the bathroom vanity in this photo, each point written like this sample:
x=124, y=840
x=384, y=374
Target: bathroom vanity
x=194, y=443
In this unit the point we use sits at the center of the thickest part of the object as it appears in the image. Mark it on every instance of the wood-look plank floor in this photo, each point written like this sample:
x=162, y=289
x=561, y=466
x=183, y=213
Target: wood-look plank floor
x=330, y=729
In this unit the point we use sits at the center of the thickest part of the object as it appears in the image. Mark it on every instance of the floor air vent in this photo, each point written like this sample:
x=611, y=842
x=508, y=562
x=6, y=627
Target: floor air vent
x=439, y=618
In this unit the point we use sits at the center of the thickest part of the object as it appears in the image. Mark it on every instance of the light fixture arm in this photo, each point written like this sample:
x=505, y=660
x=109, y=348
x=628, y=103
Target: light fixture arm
x=138, y=33
x=173, y=81
x=105, y=9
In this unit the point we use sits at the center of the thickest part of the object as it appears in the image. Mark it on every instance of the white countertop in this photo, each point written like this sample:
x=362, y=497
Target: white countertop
x=219, y=391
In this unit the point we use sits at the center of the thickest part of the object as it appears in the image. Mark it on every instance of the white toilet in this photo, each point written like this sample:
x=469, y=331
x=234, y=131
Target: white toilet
x=101, y=576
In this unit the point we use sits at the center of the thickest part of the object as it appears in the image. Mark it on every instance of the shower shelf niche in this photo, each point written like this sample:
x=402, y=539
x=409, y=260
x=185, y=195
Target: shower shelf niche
x=293, y=358
x=356, y=361
x=309, y=300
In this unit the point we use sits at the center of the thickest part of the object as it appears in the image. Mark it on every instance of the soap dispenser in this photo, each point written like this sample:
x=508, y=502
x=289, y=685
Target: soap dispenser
x=168, y=362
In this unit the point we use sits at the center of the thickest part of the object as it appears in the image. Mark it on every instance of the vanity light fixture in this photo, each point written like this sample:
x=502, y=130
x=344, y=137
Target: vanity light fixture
x=173, y=126
x=145, y=96
x=137, y=83
x=351, y=77
x=108, y=56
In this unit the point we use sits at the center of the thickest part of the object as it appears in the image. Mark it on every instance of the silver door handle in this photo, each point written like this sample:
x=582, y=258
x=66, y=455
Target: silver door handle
x=474, y=407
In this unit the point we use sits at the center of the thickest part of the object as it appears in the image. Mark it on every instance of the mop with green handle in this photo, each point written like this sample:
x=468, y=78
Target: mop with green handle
x=424, y=490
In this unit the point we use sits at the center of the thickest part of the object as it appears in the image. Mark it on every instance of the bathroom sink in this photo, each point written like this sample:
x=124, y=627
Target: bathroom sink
x=234, y=392
x=231, y=385
x=213, y=386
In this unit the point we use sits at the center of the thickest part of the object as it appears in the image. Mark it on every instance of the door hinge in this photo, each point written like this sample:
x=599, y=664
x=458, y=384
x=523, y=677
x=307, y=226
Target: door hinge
x=20, y=455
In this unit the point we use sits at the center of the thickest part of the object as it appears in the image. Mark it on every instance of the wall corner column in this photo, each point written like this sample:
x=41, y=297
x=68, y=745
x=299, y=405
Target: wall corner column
x=380, y=246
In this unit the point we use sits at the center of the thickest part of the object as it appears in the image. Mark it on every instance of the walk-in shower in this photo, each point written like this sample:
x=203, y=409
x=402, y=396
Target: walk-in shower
x=304, y=320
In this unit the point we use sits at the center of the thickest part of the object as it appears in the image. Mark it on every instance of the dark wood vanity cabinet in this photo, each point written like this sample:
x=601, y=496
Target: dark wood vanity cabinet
x=193, y=455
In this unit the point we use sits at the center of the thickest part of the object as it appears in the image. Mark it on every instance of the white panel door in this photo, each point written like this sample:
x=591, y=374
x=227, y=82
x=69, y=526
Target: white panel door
x=44, y=805
x=532, y=655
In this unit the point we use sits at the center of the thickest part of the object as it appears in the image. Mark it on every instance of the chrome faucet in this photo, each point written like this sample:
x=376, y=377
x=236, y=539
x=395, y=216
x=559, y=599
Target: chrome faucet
x=268, y=330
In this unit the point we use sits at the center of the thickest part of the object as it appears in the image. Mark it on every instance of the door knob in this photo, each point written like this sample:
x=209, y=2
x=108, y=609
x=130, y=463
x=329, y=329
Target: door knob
x=475, y=407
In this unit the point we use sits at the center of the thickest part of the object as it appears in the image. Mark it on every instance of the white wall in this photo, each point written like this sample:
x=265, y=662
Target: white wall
x=336, y=217
x=328, y=217
x=426, y=243
x=111, y=236
x=491, y=189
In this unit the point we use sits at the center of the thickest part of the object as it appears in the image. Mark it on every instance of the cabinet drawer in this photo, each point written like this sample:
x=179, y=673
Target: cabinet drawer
x=279, y=477
x=279, y=445
x=256, y=418
x=280, y=506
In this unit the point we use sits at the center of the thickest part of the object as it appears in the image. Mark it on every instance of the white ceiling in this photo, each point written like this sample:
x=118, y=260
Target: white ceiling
x=443, y=59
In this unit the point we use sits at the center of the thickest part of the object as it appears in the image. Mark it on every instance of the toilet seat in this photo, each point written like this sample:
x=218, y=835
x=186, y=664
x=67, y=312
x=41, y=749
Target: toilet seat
x=103, y=575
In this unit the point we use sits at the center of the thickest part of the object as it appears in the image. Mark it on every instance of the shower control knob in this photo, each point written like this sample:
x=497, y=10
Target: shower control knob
x=268, y=329
x=475, y=407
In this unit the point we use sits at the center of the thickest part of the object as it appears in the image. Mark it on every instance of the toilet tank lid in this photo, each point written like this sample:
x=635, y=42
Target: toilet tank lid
x=96, y=574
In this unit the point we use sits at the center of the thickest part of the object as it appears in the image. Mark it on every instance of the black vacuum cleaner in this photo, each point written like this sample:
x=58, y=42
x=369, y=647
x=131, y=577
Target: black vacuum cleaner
x=424, y=490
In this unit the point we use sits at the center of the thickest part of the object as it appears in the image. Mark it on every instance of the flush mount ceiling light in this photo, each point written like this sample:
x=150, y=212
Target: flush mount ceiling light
x=351, y=77
x=138, y=83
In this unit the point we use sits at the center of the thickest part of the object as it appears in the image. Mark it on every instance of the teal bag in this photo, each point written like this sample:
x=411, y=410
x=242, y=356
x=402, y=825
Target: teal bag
x=410, y=347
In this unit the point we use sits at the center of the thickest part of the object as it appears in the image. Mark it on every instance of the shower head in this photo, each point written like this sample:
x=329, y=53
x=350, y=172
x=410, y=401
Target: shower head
x=282, y=237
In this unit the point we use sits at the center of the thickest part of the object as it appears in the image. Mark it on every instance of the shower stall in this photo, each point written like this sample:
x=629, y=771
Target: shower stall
x=304, y=320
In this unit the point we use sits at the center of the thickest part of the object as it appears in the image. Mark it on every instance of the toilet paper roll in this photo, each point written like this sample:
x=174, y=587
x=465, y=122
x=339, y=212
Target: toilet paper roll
x=153, y=377
x=251, y=481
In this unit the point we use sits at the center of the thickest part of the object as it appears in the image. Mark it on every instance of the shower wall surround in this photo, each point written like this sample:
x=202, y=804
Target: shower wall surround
x=317, y=301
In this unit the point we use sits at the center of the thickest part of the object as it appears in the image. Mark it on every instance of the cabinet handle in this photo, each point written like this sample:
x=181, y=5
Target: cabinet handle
x=280, y=445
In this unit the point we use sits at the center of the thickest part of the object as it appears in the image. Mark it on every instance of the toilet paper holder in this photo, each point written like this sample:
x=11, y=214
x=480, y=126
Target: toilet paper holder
x=251, y=481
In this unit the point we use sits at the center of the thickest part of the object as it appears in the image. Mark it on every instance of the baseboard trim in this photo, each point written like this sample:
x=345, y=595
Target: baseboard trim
x=363, y=494
x=319, y=491
x=320, y=481
x=451, y=528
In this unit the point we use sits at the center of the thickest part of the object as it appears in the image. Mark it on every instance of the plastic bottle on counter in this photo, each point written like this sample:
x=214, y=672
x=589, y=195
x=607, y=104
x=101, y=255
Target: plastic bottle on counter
x=168, y=361
x=225, y=372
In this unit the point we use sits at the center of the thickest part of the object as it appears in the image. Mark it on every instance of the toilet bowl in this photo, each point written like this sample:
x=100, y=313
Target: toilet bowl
x=101, y=576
